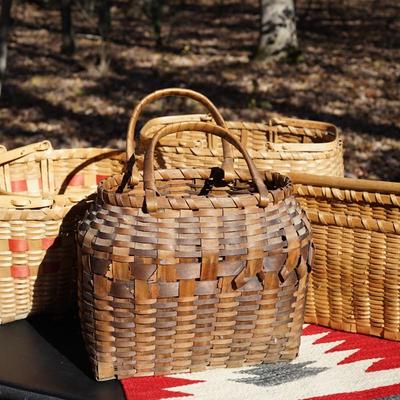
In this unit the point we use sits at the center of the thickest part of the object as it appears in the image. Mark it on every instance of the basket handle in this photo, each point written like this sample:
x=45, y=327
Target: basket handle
x=149, y=183
x=10, y=199
x=14, y=154
x=158, y=94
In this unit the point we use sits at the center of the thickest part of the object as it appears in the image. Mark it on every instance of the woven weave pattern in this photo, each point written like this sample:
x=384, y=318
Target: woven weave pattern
x=355, y=283
x=205, y=274
x=284, y=145
x=58, y=171
x=37, y=245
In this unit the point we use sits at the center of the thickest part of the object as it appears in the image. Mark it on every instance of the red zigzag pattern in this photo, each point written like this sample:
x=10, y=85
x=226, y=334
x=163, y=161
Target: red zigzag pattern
x=152, y=387
x=367, y=347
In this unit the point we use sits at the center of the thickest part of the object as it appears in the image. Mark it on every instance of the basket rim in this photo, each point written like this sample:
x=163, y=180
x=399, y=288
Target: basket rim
x=147, y=131
x=64, y=154
x=343, y=183
x=33, y=206
x=107, y=189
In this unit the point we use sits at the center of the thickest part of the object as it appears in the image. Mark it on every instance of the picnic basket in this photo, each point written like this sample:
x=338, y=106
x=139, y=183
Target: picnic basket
x=355, y=282
x=183, y=271
x=281, y=144
x=43, y=192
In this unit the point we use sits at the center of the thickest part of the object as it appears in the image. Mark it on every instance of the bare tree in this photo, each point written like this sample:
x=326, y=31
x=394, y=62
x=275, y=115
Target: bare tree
x=278, y=36
x=68, y=44
x=4, y=28
x=154, y=10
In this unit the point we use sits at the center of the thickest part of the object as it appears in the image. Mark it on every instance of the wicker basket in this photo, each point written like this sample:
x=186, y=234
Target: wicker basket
x=355, y=283
x=282, y=144
x=41, y=199
x=193, y=275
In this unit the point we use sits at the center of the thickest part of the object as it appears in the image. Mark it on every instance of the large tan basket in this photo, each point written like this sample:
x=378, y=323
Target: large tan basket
x=281, y=144
x=42, y=195
x=182, y=271
x=355, y=283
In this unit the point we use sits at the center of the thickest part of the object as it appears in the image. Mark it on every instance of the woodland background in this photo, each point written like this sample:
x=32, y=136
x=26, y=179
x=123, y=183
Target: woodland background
x=347, y=72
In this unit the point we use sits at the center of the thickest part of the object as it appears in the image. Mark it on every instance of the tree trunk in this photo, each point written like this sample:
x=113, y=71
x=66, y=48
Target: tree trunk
x=4, y=27
x=68, y=45
x=90, y=6
x=278, y=38
x=104, y=29
x=156, y=12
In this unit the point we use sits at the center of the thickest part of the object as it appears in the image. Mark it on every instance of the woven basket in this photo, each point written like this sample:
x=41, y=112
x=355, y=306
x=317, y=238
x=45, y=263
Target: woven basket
x=282, y=144
x=355, y=283
x=42, y=194
x=184, y=272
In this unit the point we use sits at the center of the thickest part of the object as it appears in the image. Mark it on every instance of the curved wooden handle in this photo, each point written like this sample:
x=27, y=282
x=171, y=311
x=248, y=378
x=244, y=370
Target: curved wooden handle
x=130, y=139
x=19, y=152
x=10, y=199
x=148, y=168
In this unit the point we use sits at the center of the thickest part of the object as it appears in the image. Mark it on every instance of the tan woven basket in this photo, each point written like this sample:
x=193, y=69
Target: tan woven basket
x=42, y=194
x=182, y=271
x=355, y=283
x=282, y=144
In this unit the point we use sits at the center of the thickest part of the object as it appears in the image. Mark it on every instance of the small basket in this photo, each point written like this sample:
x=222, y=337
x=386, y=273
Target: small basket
x=43, y=193
x=283, y=144
x=355, y=283
x=182, y=271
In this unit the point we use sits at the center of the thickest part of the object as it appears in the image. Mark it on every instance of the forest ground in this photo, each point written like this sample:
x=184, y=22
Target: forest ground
x=348, y=73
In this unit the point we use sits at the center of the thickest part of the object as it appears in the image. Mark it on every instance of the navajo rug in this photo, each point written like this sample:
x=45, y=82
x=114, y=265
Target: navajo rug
x=332, y=365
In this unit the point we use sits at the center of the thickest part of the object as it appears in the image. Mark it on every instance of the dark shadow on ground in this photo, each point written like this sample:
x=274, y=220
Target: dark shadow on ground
x=207, y=47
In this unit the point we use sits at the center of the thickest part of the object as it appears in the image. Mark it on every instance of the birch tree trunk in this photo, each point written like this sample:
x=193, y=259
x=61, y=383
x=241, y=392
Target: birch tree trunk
x=278, y=37
x=68, y=45
x=4, y=27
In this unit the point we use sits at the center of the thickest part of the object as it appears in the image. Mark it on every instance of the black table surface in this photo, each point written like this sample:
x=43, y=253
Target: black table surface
x=46, y=359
